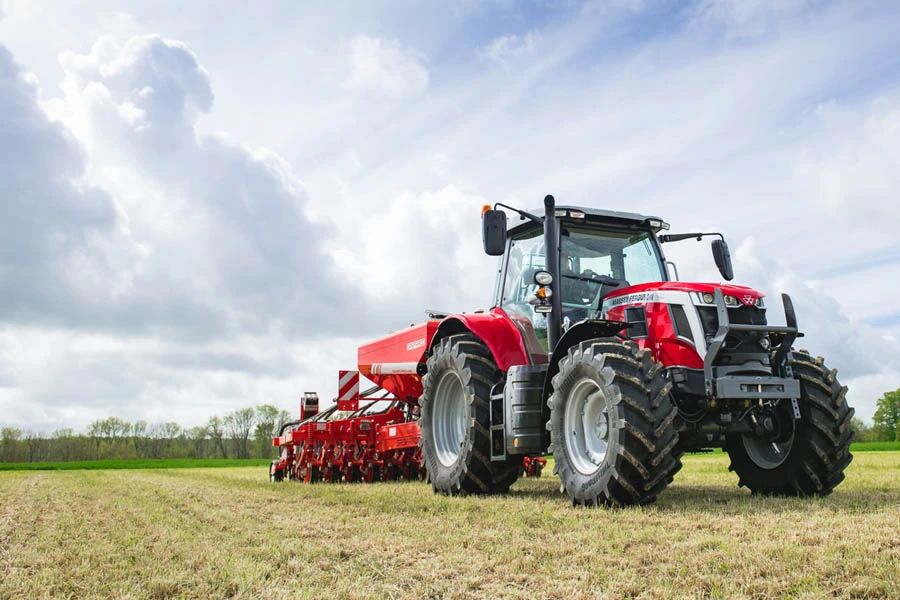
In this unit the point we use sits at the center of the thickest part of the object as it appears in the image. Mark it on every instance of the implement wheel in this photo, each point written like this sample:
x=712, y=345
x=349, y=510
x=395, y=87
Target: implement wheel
x=809, y=455
x=611, y=425
x=455, y=422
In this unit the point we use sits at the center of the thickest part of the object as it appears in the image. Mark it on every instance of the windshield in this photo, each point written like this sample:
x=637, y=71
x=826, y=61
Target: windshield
x=608, y=257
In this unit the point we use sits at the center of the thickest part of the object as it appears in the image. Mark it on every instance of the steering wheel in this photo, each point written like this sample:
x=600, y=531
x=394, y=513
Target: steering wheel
x=589, y=275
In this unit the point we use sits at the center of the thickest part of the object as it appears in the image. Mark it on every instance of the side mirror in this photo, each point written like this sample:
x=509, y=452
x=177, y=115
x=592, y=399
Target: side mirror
x=723, y=259
x=493, y=232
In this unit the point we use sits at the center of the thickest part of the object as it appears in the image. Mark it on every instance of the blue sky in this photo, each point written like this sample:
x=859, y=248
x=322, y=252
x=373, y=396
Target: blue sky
x=211, y=207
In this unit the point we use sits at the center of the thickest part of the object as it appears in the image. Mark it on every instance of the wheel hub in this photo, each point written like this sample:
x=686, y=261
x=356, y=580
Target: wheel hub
x=586, y=420
x=449, y=420
x=769, y=446
x=601, y=428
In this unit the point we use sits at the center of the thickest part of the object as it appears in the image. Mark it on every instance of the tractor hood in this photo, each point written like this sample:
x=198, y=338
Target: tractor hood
x=648, y=292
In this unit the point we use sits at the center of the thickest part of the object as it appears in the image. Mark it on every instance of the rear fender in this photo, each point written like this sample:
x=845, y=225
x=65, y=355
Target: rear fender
x=495, y=329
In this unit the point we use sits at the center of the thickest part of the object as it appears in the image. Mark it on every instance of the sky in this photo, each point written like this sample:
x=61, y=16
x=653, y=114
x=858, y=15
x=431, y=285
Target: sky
x=209, y=206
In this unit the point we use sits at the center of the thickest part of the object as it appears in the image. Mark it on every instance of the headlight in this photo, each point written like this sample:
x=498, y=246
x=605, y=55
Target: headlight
x=543, y=278
x=759, y=303
x=708, y=298
x=731, y=301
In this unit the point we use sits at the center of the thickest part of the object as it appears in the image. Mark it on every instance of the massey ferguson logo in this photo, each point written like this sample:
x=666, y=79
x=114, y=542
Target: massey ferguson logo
x=748, y=300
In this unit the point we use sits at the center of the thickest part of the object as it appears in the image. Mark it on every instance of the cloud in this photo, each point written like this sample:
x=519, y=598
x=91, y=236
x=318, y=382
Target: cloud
x=386, y=67
x=52, y=219
x=510, y=47
x=413, y=252
x=149, y=270
x=224, y=242
x=748, y=18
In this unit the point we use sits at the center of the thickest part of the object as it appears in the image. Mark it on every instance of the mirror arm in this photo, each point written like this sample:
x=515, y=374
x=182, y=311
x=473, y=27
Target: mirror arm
x=677, y=237
x=524, y=214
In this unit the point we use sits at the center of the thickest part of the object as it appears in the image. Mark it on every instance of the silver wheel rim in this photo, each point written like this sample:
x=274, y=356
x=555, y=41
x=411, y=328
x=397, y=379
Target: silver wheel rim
x=586, y=426
x=448, y=423
x=767, y=454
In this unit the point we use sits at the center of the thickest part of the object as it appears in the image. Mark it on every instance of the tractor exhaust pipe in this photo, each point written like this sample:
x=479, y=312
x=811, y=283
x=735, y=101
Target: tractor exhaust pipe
x=551, y=243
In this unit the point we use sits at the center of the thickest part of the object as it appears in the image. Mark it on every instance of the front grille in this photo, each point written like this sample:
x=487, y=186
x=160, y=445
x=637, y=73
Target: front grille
x=738, y=315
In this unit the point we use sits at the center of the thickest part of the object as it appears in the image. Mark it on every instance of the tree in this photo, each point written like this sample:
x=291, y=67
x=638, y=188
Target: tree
x=67, y=446
x=862, y=431
x=199, y=440
x=887, y=415
x=268, y=424
x=11, y=449
x=239, y=424
x=38, y=447
x=216, y=429
x=110, y=436
x=140, y=439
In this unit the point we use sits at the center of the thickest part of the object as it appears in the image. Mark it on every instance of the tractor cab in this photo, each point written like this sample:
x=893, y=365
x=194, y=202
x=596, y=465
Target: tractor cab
x=598, y=252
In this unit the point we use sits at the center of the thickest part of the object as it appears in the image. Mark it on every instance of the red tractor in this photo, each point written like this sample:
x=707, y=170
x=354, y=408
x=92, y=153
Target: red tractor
x=594, y=354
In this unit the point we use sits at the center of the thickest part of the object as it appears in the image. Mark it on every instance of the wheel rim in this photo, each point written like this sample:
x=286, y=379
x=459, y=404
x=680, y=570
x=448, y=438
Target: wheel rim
x=586, y=425
x=449, y=422
x=767, y=454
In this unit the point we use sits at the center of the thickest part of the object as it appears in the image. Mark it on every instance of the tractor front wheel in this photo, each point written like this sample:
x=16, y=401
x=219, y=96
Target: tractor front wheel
x=810, y=454
x=611, y=425
x=455, y=426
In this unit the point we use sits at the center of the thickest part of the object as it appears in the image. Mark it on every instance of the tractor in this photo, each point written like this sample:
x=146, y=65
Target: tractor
x=593, y=352
x=596, y=353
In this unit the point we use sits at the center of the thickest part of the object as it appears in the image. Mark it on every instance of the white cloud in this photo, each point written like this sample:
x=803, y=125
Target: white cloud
x=510, y=47
x=181, y=253
x=386, y=67
x=749, y=18
x=226, y=245
x=413, y=252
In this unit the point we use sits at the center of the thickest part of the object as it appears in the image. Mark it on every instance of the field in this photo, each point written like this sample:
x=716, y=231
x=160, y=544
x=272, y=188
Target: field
x=227, y=532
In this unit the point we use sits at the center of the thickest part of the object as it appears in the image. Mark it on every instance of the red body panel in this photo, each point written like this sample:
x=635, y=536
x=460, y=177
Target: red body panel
x=738, y=291
x=661, y=339
x=501, y=337
x=391, y=362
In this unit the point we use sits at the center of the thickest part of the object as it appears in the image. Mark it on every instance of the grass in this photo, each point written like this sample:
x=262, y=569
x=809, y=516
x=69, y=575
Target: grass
x=228, y=533
x=193, y=463
x=875, y=446
x=162, y=463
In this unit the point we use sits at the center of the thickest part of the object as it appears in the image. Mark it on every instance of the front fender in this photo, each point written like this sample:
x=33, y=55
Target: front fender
x=577, y=333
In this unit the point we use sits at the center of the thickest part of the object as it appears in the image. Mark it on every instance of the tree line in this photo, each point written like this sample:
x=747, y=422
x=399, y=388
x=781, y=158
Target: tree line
x=244, y=433
x=247, y=433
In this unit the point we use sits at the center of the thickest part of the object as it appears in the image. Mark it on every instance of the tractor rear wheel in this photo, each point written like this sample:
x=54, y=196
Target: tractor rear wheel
x=611, y=425
x=454, y=422
x=810, y=455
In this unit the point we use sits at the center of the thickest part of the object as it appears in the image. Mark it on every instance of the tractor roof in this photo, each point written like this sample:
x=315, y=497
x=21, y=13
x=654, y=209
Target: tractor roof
x=591, y=215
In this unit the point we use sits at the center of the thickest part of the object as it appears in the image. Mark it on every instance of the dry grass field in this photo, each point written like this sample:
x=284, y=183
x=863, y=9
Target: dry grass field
x=228, y=533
